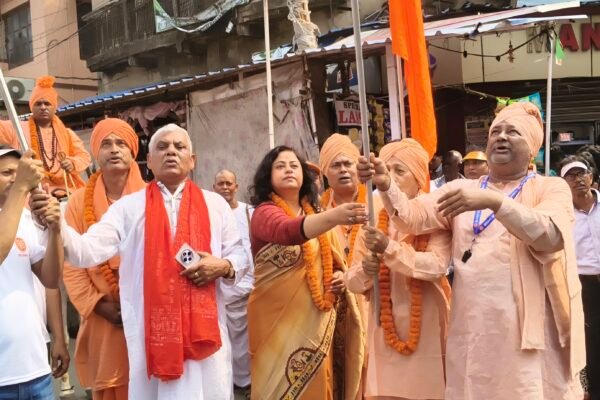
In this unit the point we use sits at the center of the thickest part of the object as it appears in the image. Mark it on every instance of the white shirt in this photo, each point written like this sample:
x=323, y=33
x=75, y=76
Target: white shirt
x=243, y=213
x=439, y=182
x=121, y=231
x=40, y=299
x=587, y=239
x=23, y=352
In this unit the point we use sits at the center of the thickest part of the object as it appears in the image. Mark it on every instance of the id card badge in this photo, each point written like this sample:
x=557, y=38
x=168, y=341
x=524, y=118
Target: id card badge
x=187, y=257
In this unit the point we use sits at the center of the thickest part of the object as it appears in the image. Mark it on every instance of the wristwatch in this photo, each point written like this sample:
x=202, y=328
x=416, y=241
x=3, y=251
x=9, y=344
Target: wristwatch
x=230, y=272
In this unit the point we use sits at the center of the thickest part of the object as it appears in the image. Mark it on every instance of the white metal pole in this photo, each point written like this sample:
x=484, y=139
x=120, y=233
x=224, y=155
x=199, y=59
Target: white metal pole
x=401, y=96
x=364, y=123
x=269, y=82
x=12, y=113
x=390, y=61
x=549, y=102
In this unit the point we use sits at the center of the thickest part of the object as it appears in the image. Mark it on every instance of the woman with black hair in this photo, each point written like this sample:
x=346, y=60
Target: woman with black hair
x=301, y=319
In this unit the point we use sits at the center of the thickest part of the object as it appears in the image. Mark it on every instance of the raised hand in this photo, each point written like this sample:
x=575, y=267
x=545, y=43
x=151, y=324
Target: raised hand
x=375, y=240
x=29, y=172
x=370, y=264
x=349, y=214
x=458, y=201
x=374, y=168
x=39, y=202
x=52, y=214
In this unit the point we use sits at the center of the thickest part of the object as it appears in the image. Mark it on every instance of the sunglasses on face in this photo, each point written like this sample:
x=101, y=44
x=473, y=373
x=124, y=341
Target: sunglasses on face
x=572, y=177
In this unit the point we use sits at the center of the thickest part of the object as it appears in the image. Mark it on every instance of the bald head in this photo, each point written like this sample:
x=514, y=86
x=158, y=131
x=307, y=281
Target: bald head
x=451, y=164
x=226, y=185
x=226, y=173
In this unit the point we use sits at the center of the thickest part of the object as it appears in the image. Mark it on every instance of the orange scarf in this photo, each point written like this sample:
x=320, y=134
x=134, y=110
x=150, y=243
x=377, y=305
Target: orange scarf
x=180, y=319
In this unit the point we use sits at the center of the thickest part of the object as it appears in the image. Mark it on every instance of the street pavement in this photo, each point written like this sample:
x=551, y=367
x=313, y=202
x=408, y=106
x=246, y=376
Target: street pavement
x=80, y=393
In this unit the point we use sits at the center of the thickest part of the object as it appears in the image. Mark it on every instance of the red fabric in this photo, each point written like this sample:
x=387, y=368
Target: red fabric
x=270, y=224
x=180, y=319
x=408, y=42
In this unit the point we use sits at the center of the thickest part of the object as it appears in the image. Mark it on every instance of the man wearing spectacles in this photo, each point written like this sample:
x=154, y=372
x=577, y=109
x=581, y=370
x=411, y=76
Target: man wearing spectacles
x=577, y=172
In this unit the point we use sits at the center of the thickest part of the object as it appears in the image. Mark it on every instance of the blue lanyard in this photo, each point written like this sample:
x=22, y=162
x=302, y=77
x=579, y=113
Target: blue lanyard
x=477, y=227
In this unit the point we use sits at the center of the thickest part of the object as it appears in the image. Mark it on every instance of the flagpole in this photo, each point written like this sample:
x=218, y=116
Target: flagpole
x=12, y=113
x=549, y=101
x=400, y=79
x=390, y=61
x=269, y=82
x=364, y=123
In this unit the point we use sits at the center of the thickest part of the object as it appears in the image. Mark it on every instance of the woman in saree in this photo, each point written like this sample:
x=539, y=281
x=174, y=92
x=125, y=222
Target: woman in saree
x=406, y=351
x=305, y=335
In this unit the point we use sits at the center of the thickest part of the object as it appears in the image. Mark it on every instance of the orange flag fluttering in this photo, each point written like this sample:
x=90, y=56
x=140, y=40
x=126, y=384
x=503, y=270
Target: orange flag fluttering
x=408, y=42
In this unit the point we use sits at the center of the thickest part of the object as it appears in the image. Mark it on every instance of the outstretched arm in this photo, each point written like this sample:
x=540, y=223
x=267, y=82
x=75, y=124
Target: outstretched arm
x=97, y=245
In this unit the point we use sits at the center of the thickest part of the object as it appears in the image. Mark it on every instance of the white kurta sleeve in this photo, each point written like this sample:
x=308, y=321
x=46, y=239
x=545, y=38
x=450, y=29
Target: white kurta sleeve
x=99, y=243
x=232, y=248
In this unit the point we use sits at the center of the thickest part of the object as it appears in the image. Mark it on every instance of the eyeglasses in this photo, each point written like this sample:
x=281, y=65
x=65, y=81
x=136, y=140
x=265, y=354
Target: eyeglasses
x=572, y=177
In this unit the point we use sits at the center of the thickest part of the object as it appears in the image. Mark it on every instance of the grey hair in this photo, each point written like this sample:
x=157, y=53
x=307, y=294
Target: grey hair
x=168, y=129
x=226, y=171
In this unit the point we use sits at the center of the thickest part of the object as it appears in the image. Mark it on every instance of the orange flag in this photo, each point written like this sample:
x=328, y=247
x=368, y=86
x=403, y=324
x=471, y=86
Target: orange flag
x=408, y=42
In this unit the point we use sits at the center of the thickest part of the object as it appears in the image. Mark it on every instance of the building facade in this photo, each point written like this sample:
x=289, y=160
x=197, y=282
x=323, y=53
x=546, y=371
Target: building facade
x=40, y=37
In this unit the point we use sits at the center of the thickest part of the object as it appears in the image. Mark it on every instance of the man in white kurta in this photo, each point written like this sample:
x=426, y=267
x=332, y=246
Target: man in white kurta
x=121, y=231
x=236, y=297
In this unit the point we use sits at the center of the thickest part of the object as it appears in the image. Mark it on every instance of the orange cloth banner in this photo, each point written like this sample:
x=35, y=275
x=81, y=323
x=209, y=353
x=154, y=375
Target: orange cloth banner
x=408, y=42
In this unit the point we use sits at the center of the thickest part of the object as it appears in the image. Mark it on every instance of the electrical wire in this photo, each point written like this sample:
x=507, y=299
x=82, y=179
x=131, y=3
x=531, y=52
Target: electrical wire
x=76, y=32
x=498, y=56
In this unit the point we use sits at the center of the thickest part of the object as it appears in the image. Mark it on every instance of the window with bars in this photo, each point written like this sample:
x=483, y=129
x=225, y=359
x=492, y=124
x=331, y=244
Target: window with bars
x=17, y=33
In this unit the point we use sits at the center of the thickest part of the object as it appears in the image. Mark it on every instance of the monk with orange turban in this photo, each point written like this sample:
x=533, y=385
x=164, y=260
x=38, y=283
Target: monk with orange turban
x=406, y=352
x=516, y=327
x=337, y=161
x=101, y=352
x=59, y=148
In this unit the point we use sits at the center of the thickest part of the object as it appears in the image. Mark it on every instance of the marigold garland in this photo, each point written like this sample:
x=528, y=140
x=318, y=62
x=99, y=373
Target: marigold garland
x=89, y=217
x=323, y=301
x=362, y=199
x=416, y=299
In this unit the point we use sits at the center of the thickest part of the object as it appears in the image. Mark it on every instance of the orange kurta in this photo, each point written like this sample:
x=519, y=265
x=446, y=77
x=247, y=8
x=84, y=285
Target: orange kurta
x=516, y=328
x=346, y=236
x=390, y=374
x=68, y=143
x=101, y=351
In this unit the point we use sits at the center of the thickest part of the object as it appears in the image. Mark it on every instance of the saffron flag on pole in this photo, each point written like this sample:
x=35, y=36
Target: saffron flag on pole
x=408, y=42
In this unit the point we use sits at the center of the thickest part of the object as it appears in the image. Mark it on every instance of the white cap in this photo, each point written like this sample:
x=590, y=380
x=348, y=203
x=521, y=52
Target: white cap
x=571, y=165
x=4, y=152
